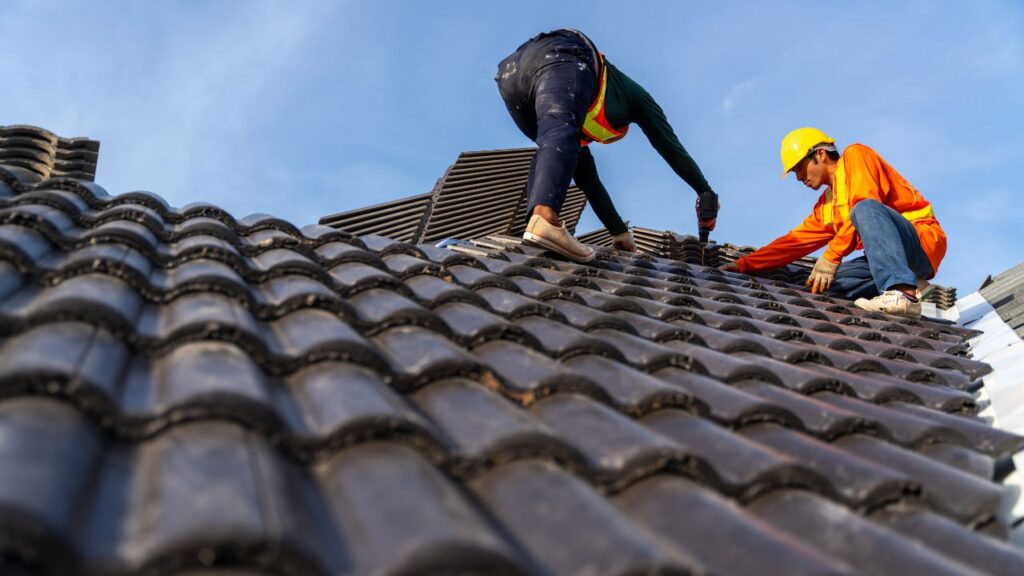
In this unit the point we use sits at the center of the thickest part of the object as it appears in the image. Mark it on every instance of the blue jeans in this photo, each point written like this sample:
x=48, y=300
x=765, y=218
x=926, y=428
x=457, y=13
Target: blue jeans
x=547, y=85
x=892, y=254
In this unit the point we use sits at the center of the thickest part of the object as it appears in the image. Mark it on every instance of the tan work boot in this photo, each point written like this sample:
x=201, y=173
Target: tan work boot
x=891, y=302
x=924, y=289
x=557, y=239
x=624, y=242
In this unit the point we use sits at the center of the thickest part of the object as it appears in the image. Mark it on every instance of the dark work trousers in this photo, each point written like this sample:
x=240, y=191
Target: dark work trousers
x=892, y=254
x=548, y=84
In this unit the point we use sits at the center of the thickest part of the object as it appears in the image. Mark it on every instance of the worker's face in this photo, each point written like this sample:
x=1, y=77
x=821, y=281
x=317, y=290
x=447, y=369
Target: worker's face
x=811, y=171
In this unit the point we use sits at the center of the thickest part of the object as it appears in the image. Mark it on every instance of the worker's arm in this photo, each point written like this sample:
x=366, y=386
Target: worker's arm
x=586, y=178
x=627, y=102
x=865, y=179
x=810, y=235
x=649, y=116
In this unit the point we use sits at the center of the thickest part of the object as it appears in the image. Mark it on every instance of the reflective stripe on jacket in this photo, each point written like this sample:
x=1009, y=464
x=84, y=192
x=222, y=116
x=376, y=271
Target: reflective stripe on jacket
x=596, y=127
x=861, y=174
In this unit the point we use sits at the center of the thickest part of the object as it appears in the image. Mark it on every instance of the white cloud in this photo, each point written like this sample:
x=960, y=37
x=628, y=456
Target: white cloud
x=737, y=93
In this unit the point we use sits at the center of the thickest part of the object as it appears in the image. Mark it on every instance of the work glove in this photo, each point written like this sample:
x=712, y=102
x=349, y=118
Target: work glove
x=707, y=210
x=624, y=242
x=822, y=275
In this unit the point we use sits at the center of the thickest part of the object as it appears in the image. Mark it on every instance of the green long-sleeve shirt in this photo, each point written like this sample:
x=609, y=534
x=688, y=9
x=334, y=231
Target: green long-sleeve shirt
x=626, y=102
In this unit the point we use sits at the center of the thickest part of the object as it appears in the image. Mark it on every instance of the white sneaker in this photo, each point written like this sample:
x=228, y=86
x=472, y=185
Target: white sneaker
x=542, y=233
x=924, y=289
x=891, y=302
x=624, y=242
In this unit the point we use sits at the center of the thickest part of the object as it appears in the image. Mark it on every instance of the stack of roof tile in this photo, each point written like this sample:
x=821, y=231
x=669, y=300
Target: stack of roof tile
x=42, y=154
x=1005, y=292
x=482, y=193
x=182, y=390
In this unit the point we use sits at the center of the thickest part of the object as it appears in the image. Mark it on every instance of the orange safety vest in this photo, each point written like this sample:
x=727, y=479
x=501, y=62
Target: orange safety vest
x=596, y=127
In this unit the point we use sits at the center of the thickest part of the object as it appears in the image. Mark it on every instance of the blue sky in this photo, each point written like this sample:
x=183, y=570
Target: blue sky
x=306, y=108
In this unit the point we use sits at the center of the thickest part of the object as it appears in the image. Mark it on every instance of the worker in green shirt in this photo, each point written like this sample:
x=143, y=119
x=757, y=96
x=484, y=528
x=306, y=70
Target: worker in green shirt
x=563, y=94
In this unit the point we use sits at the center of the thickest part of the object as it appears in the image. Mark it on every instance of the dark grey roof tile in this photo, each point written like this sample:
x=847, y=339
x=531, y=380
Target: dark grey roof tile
x=199, y=316
x=741, y=467
x=540, y=290
x=860, y=484
x=116, y=260
x=24, y=247
x=905, y=429
x=528, y=375
x=397, y=513
x=95, y=298
x=711, y=528
x=617, y=449
x=586, y=318
x=658, y=330
x=403, y=266
x=279, y=260
x=48, y=450
x=561, y=341
x=284, y=294
x=841, y=533
x=433, y=292
x=419, y=356
x=475, y=278
x=337, y=252
x=197, y=380
x=310, y=335
x=962, y=496
x=722, y=366
x=486, y=429
x=608, y=303
x=727, y=404
x=630, y=390
x=200, y=275
x=473, y=325
x=961, y=458
x=513, y=305
x=817, y=417
x=354, y=277
x=341, y=404
x=983, y=438
x=524, y=496
x=67, y=359
x=379, y=309
x=206, y=494
x=946, y=537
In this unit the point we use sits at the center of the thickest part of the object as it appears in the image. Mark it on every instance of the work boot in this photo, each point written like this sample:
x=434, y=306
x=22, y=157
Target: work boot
x=924, y=289
x=624, y=242
x=891, y=302
x=542, y=233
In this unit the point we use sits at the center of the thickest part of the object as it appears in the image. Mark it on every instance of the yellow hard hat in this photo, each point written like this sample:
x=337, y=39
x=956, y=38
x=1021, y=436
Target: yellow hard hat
x=798, y=144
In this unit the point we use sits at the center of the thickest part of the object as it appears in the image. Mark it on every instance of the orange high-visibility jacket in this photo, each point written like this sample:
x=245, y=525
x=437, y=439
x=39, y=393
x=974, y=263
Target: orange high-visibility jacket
x=861, y=174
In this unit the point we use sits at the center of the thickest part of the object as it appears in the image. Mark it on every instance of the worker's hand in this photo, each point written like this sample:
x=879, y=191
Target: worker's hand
x=729, y=267
x=624, y=242
x=707, y=210
x=822, y=275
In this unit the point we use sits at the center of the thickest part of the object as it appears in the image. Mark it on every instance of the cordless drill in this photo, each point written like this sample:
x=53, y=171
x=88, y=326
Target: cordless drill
x=707, y=209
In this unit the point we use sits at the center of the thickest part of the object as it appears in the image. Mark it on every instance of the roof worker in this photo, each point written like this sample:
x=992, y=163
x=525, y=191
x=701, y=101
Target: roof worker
x=563, y=94
x=866, y=205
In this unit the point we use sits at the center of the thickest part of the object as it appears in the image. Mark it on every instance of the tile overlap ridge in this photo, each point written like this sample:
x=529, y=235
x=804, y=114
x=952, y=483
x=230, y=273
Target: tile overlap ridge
x=170, y=320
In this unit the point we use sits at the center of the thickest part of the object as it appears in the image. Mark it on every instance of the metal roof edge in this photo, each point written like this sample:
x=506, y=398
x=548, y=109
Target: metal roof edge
x=1003, y=389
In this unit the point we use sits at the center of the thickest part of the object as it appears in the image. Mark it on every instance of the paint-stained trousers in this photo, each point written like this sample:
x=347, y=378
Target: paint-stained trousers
x=548, y=84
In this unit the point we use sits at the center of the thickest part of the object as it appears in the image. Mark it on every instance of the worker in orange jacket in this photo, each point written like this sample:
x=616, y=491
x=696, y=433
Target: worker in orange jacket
x=866, y=205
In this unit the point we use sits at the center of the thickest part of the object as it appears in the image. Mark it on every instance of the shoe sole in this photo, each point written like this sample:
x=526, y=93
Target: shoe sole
x=531, y=238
